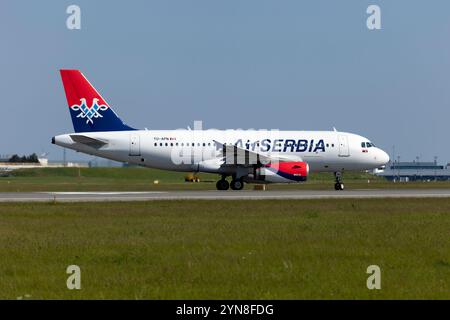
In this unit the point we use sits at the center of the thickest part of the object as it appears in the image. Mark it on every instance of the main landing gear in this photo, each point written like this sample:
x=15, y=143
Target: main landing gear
x=222, y=184
x=236, y=184
x=338, y=185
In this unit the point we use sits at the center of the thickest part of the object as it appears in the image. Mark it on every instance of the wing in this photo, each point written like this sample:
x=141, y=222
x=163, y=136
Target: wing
x=236, y=156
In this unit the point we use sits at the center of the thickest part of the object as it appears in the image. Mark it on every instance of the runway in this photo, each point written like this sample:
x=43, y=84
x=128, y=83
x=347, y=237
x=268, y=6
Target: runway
x=221, y=195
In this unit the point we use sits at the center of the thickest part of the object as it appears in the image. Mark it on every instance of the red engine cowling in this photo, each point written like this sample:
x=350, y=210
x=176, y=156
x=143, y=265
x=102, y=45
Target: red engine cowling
x=282, y=172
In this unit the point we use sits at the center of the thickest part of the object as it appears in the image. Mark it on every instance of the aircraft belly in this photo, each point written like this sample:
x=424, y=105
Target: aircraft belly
x=315, y=162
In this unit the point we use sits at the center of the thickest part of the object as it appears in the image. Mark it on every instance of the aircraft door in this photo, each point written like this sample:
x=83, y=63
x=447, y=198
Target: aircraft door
x=343, y=146
x=135, y=145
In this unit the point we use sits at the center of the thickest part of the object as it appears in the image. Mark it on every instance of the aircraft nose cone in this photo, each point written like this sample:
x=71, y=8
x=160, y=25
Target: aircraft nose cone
x=383, y=158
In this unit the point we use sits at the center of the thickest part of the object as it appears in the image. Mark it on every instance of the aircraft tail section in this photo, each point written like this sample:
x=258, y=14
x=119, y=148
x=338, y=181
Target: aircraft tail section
x=89, y=111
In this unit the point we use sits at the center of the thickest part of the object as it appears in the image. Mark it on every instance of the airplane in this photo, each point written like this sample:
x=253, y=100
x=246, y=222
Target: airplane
x=247, y=156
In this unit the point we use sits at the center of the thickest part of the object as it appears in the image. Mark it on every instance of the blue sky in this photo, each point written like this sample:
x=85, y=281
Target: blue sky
x=294, y=65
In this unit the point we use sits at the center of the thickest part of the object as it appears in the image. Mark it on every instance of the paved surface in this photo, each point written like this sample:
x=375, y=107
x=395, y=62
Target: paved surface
x=219, y=195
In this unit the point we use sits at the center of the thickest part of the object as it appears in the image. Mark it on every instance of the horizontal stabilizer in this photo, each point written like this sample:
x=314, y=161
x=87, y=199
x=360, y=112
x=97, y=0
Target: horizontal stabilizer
x=91, y=142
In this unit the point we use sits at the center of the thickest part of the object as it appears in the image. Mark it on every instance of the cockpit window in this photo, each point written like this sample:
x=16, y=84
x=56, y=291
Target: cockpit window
x=363, y=144
x=370, y=144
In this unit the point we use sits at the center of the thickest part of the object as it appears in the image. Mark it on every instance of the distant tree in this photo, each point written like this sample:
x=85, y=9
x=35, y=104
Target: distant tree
x=32, y=158
x=14, y=158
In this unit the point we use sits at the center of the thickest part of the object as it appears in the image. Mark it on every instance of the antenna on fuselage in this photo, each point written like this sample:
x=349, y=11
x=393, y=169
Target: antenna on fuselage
x=334, y=129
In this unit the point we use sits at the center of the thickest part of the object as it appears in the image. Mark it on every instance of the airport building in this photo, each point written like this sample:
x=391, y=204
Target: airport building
x=415, y=171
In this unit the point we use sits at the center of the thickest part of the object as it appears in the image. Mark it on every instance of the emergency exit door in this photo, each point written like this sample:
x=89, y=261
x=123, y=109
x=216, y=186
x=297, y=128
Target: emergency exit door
x=135, y=145
x=343, y=146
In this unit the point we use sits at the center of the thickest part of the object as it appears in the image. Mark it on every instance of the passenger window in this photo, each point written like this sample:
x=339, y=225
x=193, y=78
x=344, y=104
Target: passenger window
x=160, y=144
x=204, y=144
x=166, y=144
x=171, y=144
x=156, y=144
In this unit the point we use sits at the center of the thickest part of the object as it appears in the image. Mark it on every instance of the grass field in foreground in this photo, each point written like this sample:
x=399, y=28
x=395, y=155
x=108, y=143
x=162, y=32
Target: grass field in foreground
x=280, y=249
x=142, y=179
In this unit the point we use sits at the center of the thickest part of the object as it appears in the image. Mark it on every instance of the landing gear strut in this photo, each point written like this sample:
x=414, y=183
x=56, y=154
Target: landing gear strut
x=338, y=185
x=222, y=184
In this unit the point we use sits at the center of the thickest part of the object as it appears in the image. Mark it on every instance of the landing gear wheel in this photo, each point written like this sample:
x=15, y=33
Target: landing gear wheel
x=222, y=184
x=338, y=185
x=237, y=184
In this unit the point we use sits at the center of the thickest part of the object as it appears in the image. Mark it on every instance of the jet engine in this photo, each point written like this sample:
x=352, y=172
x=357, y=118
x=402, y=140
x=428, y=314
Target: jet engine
x=281, y=172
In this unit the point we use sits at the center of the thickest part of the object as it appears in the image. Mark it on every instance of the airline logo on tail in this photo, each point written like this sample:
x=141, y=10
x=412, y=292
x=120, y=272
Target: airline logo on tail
x=88, y=110
x=89, y=113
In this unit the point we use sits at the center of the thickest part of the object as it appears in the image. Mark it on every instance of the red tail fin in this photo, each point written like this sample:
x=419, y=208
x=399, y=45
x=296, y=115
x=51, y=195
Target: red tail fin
x=89, y=111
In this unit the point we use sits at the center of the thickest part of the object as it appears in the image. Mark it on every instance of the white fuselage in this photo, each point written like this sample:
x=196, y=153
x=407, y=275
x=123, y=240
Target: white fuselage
x=197, y=150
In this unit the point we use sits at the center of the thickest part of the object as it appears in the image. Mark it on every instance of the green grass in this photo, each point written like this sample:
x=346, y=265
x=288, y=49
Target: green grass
x=311, y=249
x=142, y=179
x=103, y=179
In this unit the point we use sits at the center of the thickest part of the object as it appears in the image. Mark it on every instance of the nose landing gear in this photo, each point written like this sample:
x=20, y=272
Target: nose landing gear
x=338, y=185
